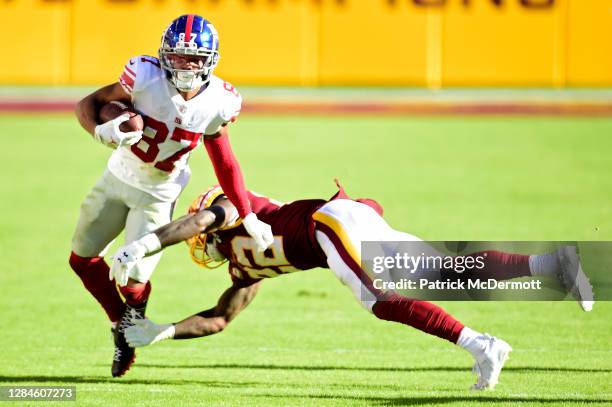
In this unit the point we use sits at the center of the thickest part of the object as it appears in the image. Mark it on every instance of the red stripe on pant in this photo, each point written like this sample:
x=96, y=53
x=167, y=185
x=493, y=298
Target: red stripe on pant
x=93, y=272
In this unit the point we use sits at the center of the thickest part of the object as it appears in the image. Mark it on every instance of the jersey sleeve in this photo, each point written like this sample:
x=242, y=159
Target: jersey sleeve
x=261, y=203
x=229, y=108
x=129, y=74
x=136, y=71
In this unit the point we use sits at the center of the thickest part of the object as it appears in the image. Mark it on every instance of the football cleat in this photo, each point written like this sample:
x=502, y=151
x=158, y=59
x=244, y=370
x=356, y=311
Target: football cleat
x=490, y=362
x=124, y=354
x=573, y=279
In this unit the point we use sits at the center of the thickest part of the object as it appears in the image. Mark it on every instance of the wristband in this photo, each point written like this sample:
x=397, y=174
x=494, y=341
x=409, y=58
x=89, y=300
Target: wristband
x=150, y=242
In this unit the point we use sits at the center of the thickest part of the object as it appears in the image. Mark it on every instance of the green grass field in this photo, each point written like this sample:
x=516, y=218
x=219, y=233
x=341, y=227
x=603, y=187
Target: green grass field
x=305, y=340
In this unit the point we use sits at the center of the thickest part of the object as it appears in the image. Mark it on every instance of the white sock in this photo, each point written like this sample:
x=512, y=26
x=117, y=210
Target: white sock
x=544, y=265
x=468, y=340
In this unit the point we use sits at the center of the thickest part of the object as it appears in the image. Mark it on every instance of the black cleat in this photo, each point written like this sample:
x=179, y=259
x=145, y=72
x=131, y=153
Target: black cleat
x=124, y=354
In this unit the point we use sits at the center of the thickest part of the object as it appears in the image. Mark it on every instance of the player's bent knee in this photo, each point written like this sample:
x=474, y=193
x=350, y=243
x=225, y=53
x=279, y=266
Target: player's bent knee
x=79, y=263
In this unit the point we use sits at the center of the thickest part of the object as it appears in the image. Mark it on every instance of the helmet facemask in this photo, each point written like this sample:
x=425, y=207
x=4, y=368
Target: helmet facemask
x=203, y=247
x=179, y=64
x=204, y=252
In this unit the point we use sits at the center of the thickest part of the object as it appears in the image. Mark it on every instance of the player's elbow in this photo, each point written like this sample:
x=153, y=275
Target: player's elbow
x=85, y=111
x=218, y=325
x=210, y=326
x=80, y=107
x=203, y=220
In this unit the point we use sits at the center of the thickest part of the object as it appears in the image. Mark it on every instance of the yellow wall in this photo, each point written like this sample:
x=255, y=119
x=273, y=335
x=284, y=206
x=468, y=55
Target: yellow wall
x=35, y=41
x=590, y=45
x=329, y=42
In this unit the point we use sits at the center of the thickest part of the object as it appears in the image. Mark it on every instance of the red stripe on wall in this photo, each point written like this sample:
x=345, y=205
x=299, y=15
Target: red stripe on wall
x=414, y=109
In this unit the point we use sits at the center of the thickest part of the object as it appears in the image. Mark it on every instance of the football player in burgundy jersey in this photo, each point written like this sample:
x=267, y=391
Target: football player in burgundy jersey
x=308, y=234
x=183, y=105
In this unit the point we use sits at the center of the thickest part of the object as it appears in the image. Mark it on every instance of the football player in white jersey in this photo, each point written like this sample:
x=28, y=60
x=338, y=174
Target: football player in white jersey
x=182, y=104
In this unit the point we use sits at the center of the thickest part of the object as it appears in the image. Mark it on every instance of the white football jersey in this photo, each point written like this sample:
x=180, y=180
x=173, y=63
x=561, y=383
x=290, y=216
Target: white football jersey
x=173, y=127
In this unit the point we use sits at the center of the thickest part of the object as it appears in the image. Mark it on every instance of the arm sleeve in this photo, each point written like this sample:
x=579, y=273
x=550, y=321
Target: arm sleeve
x=228, y=172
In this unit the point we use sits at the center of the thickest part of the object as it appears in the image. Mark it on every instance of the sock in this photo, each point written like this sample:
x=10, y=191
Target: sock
x=137, y=295
x=422, y=315
x=468, y=341
x=93, y=272
x=544, y=265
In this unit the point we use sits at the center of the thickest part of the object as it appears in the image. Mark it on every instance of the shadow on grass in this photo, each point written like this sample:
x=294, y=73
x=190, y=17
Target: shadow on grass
x=464, y=396
x=420, y=400
x=519, y=369
x=121, y=380
x=169, y=382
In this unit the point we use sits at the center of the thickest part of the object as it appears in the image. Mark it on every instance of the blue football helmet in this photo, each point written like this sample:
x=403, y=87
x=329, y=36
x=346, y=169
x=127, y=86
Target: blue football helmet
x=189, y=52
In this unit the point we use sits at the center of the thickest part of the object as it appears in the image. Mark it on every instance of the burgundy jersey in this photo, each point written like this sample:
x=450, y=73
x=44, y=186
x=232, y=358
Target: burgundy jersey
x=294, y=246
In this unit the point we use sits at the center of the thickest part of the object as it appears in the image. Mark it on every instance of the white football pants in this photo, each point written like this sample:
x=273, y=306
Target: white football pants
x=341, y=227
x=111, y=206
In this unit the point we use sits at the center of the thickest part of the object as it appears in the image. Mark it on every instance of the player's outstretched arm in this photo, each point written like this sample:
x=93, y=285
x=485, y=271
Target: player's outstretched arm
x=214, y=320
x=206, y=220
x=231, y=303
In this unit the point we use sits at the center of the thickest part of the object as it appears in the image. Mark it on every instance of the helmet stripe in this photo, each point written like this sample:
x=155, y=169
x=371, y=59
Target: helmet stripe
x=188, y=27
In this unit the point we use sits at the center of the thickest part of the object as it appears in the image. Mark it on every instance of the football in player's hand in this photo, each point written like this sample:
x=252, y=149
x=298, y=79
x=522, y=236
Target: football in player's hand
x=113, y=109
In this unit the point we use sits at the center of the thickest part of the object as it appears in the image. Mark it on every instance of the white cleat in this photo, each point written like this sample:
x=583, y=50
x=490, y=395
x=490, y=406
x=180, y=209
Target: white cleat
x=490, y=362
x=573, y=278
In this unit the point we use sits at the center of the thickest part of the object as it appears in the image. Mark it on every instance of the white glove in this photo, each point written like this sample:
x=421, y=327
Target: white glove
x=260, y=231
x=146, y=332
x=109, y=134
x=128, y=256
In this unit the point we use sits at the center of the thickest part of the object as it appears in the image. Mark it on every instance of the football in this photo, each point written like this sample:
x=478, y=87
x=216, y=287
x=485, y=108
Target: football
x=113, y=109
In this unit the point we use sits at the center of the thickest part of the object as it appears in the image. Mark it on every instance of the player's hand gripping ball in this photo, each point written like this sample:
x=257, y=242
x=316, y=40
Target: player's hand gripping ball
x=114, y=109
x=121, y=125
